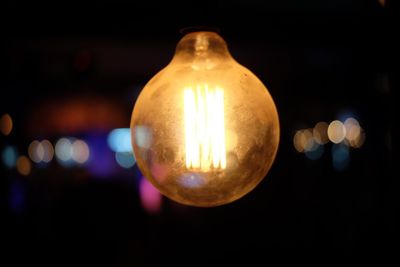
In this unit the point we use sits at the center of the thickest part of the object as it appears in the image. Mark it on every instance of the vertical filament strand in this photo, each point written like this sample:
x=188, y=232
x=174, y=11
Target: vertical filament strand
x=204, y=127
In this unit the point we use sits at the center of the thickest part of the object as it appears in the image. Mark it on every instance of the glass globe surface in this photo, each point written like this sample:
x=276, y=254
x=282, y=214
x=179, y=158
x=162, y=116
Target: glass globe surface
x=205, y=130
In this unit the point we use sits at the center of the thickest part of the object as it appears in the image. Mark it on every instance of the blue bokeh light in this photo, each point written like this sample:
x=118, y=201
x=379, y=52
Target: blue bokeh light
x=119, y=140
x=9, y=156
x=316, y=152
x=340, y=157
x=125, y=159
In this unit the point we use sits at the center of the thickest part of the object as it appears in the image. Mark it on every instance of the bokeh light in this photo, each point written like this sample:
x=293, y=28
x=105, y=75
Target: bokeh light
x=340, y=157
x=353, y=129
x=320, y=132
x=297, y=141
x=41, y=151
x=344, y=136
x=63, y=150
x=316, y=153
x=80, y=151
x=336, y=131
x=359, y=141
x=48, y=151
x=303, y=141
x=24, y=165
x=150, y=197
x=6, y=124
x=355, y=135
x=36, y=151
x=308, y=140
x=119, y=140
x=125, y=159
x=9, y=156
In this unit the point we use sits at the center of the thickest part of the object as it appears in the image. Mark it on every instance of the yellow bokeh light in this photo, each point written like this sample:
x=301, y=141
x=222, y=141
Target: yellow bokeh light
x=320, y=133
x=6, y=124
x=359, y=141
x=353, y=130
x=304, y=141
x=80, y=151
x=48, y=151
x=297, y=141
x=307, y=140
x=41, y=151
x=35, y=151
x=24, y=166
x=336, y=131
x=353, y=134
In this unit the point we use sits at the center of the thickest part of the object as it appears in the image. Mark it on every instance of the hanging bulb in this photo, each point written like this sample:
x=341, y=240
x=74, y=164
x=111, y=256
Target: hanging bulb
x=205, y=130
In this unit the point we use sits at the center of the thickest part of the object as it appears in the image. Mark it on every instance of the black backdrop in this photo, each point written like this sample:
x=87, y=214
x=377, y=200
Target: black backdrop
x=316, y=57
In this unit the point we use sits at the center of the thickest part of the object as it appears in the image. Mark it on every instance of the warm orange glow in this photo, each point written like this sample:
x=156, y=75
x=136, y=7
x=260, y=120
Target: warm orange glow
x=320, y=132
x=307, y=140
x=304, y=141
x=359, y=141
x=353, y=130
x=204, y=128
x=69, y=116
x=48, y=151
x=336, y=132
x=6, y=124
x=41, y=151
x=35, y=151
x=80, y=151
x=298, y=141
x=24, y=166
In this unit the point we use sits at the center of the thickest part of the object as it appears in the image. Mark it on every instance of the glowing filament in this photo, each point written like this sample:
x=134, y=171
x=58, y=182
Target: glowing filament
x=204, y=127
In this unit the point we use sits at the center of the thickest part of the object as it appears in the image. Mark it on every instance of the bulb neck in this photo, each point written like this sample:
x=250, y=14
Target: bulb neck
x=202, y=49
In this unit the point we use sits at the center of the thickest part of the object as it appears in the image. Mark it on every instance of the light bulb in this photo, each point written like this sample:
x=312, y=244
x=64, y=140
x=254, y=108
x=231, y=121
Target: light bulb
x=205, y=130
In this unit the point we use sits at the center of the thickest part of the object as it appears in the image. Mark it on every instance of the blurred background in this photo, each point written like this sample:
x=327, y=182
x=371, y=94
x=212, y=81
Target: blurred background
x=72, y=70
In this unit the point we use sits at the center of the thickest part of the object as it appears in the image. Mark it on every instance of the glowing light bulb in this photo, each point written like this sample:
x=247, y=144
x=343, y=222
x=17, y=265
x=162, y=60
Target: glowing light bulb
x=205, y=130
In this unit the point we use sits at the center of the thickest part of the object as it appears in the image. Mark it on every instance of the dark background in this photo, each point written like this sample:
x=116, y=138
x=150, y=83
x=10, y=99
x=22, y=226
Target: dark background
x=319, y=60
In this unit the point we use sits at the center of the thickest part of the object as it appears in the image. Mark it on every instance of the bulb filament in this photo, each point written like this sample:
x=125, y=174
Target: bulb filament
x=204, y=127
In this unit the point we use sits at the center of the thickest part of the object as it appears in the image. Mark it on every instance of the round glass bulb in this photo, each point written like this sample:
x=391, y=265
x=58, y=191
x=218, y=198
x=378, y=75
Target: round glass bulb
x=205, y=130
